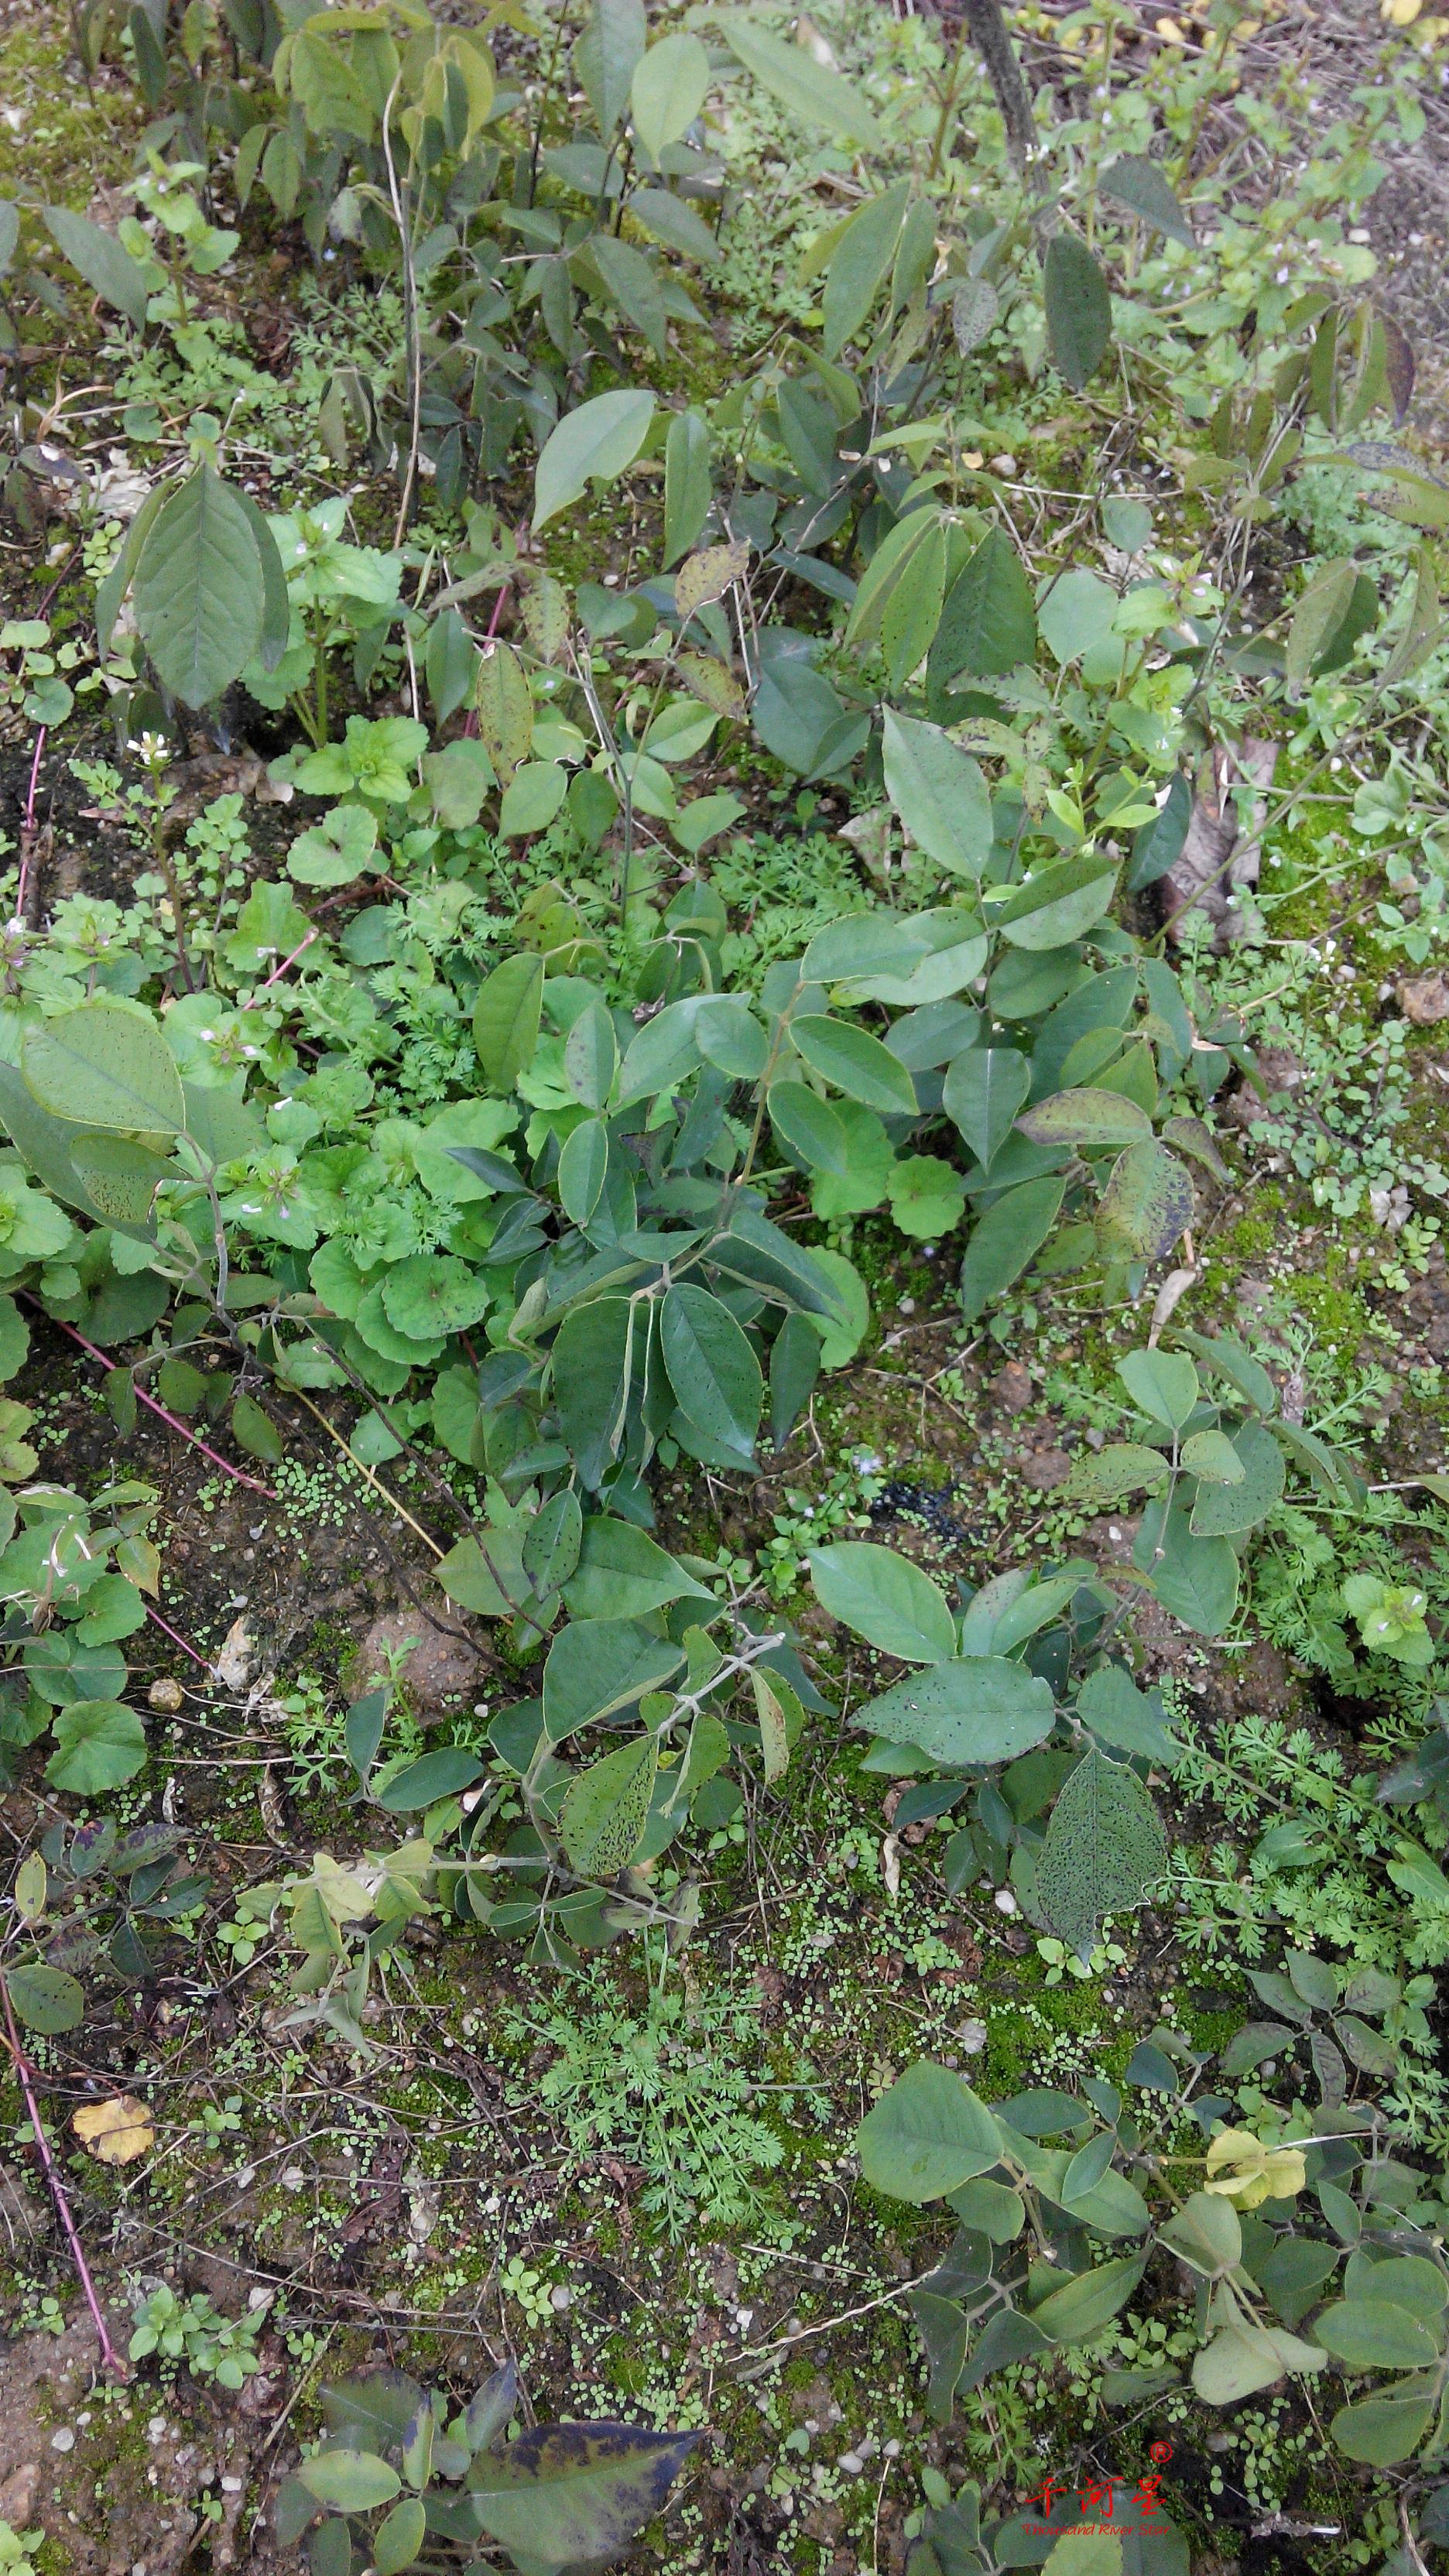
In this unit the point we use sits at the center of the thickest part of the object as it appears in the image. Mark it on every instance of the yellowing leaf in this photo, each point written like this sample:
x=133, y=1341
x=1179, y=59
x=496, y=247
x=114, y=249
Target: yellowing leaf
x=115, y=2132
x=1248, y=2172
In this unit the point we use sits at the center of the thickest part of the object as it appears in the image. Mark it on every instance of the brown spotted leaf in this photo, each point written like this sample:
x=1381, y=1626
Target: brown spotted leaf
x=708, y=575
x=567, y=2492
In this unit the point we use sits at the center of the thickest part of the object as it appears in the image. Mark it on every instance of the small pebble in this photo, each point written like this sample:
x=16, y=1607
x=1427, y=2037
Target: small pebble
x=1003, y=1900
x=64, y=2440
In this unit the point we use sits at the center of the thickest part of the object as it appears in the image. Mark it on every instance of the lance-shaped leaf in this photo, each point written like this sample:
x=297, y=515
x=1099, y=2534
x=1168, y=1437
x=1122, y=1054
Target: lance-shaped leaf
x=199, y=589
x=817, y=96
x=1140, y=187
x=939, y=793
x=1078, y=310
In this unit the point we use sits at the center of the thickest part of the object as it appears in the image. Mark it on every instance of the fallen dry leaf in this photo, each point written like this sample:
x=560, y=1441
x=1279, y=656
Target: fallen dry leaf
x=116, y=2132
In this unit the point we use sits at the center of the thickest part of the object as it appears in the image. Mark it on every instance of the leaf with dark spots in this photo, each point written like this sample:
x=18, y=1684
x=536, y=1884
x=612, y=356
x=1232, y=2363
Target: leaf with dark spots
x=566, y=2492
x=378, y=2404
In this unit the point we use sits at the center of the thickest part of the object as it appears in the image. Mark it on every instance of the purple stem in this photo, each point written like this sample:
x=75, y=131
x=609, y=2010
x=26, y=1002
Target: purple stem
x=168, y=1631
x=27, y=831
x=110, y=2358
x=286, y=962
x=150, y=1401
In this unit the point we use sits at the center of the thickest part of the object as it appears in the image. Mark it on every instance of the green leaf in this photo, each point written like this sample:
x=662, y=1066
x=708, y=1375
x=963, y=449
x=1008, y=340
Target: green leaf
x=712, y=1368
x=669, y=87
x=432, y=1294
x=1162, y=1384
x=506, y=1018
x=1139, y=185
x=607, y=1809
x=505, y=708
x=1206, y=2233
x=926, y=1196
x=121, y=1176
x=398, y=2539
x=912, y=612
x=1057, y=904
x=1244, y=2357
x=988, y=622
x=1374, y=2334
x=117, y=278
x=859, y=264
x=45, y=1999
x=1196, y=1579
x=532, y=798
x=594, y=1355
x=1004, y=1240
x=1078, y=310
x=256, y=1432
x=1086, y=2553
x=622, y=1573
x=591, y=1056
x=105, y=1065
x=440, y=1774
x=1083, y=2306
x=926, y=2135
x=1077, y=617
x=983, y=1090
x=1147, y=1203
x=1101, y=1479
x=554, y=1542
x=99, y=1743
x=939, y=793
x=945, y=2332
x=1104, y=1849
x=9, y=233
x=688, y=483
x=817, y=96
x=349, y=2481
x=198, y=589
x=575, y=2492
x=597, y=1666
x=1211, y=1455
x=1321, y=611
x=856, y=1063
x=583, y=1166
x=606, y=57
x=796, y=1358
x=1383, y=2430
x=809, y=1129
x=335, y=851
x=595, y=442
x=1089, y=1121
x=976, y=1710
x=1118, y=1713
x=884, y=1598
x=1221, y=1509
x=1158, y=845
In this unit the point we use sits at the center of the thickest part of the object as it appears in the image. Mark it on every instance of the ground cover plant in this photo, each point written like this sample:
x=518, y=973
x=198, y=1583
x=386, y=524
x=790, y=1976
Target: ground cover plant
x=724, y=1733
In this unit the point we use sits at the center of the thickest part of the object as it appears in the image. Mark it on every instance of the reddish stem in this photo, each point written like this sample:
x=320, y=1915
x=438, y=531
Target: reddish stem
x=286, y=962
x=27, y=828
x=168, y=1631
x=110, y=2358
x=30, y=793
x=217, y=1460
